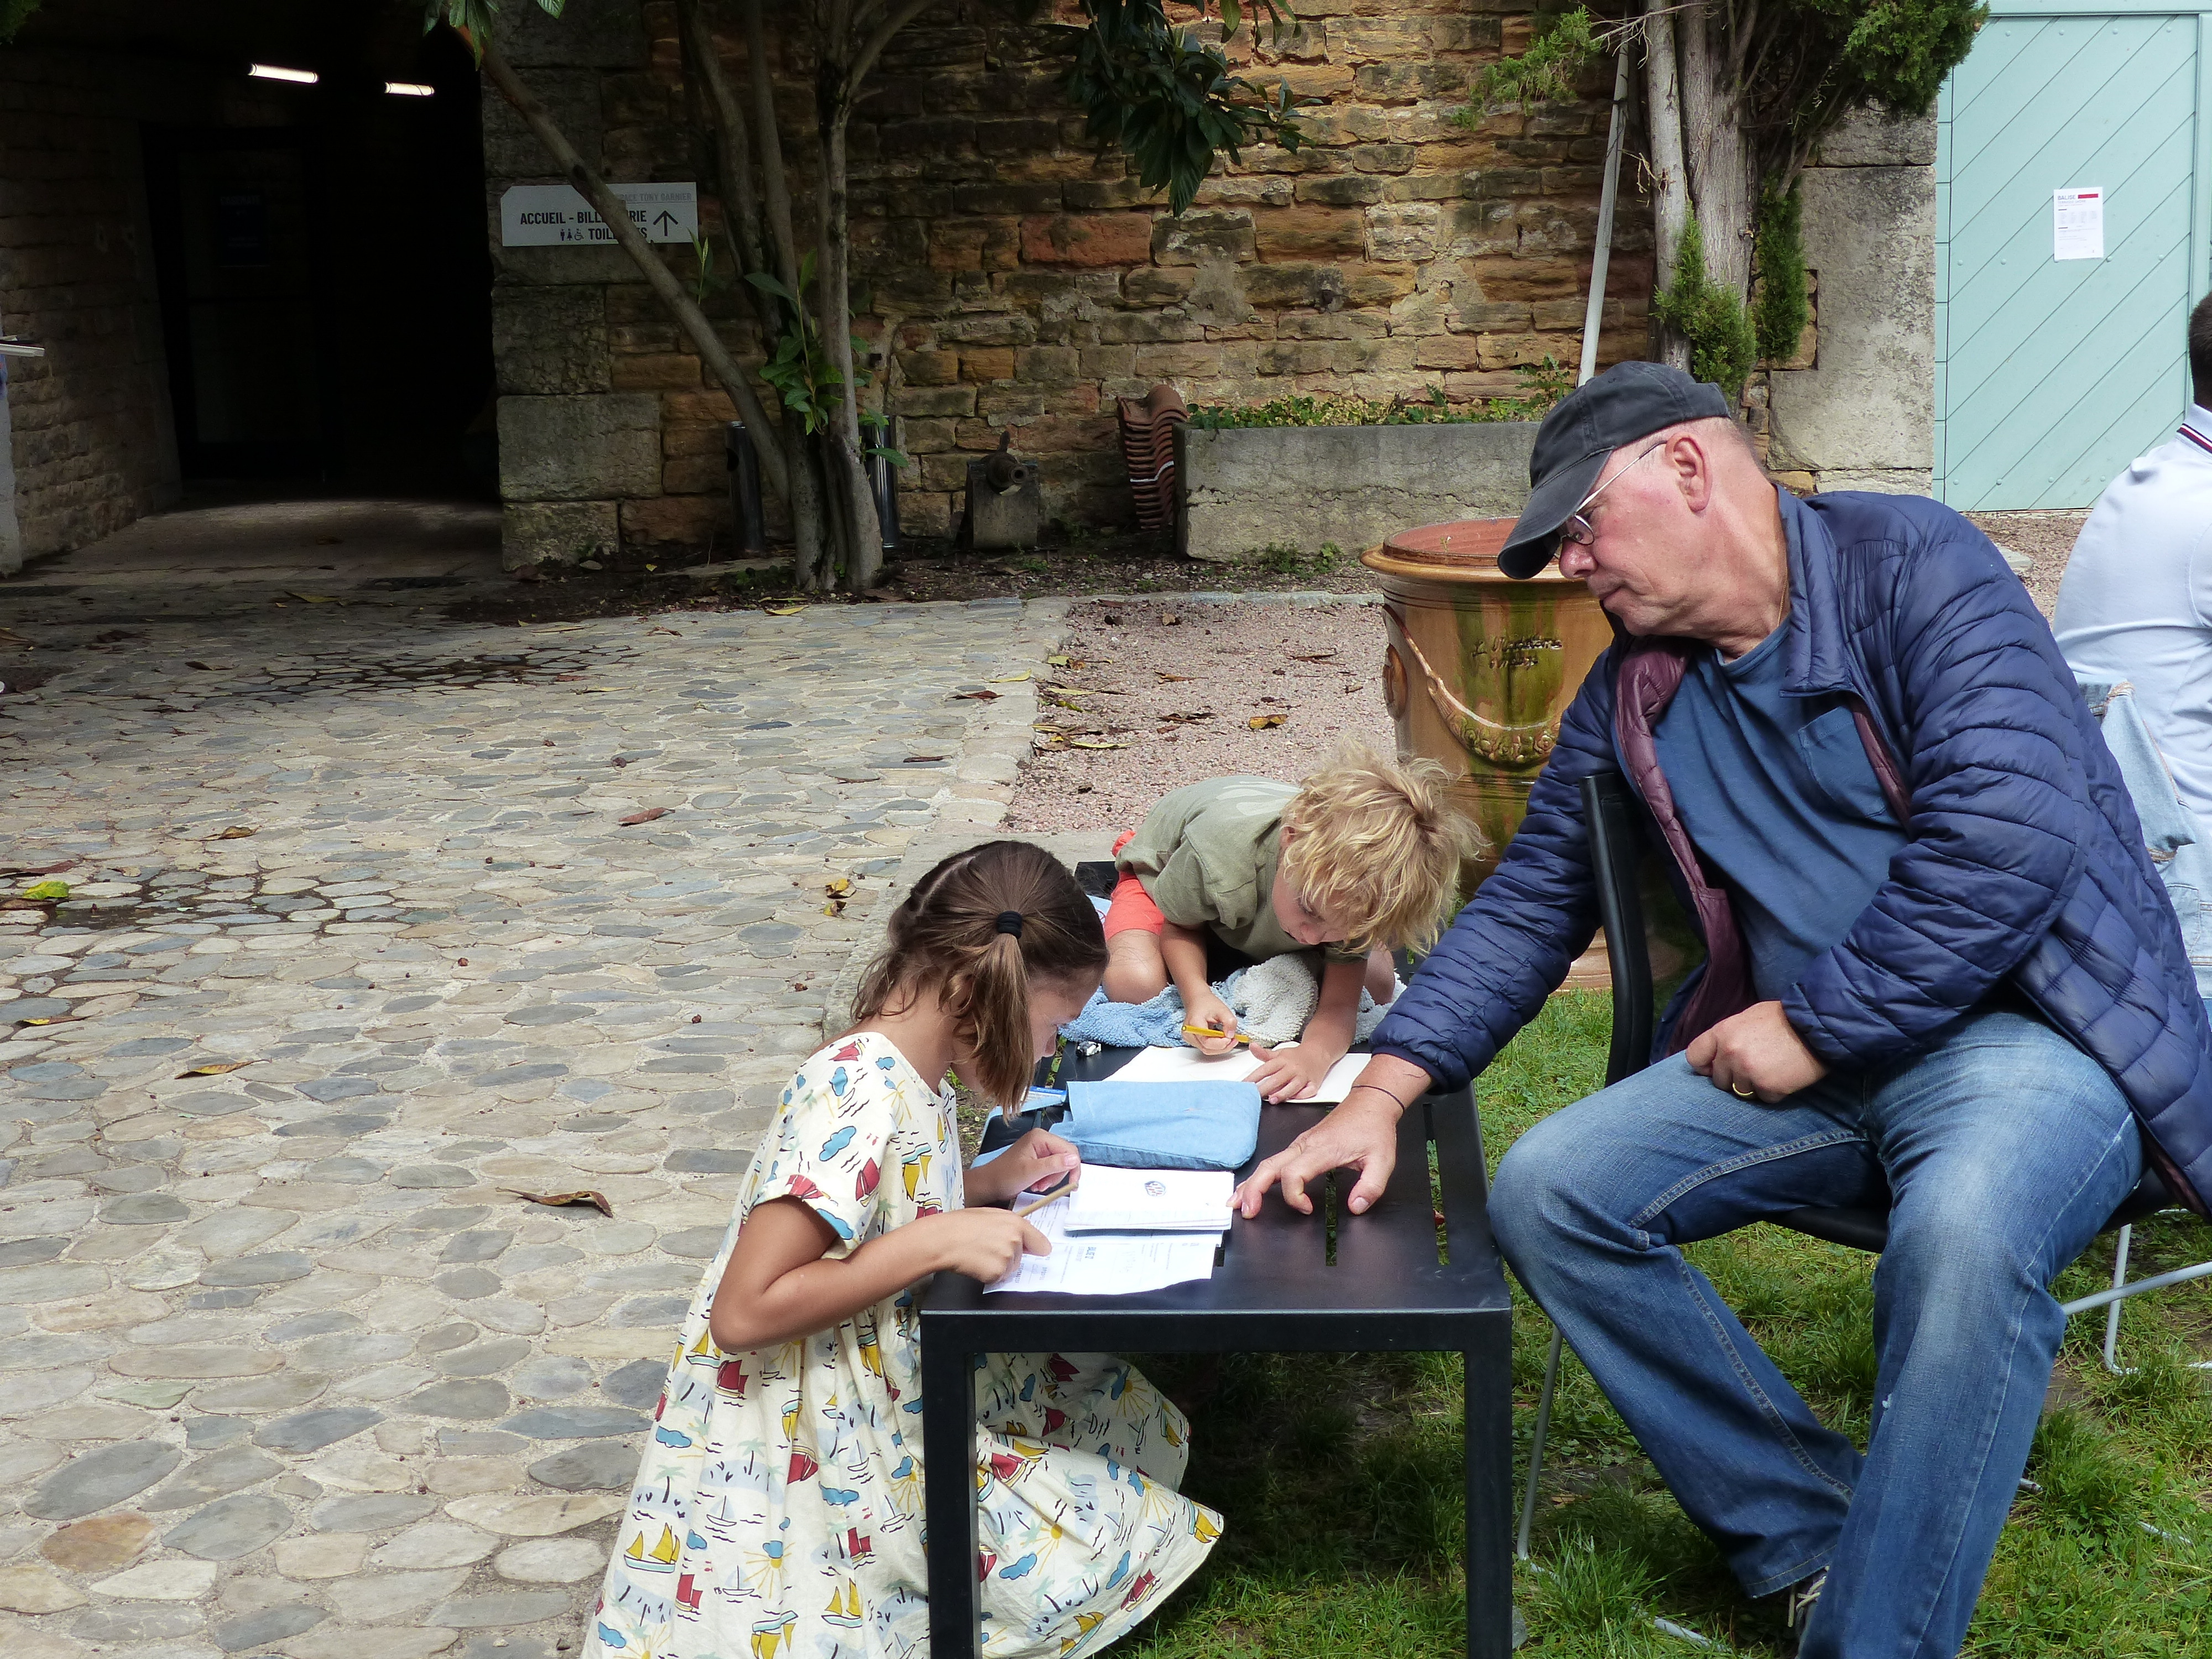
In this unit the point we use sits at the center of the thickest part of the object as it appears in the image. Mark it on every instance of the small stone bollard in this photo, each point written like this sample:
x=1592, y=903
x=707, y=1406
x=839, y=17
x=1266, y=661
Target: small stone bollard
x=1005, y=501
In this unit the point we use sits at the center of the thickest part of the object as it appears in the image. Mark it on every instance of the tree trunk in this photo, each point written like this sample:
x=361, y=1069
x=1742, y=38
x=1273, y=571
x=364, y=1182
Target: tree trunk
x=848, y=472
x=811, y=533
x=1720, y=161
x=610, y=208
x=1670, y=188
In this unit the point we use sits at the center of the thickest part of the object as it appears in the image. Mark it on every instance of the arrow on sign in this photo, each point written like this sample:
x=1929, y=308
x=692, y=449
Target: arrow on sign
x=664, y=219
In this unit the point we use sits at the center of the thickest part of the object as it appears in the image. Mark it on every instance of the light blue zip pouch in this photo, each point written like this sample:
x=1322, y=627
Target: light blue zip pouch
x=1163, y=1126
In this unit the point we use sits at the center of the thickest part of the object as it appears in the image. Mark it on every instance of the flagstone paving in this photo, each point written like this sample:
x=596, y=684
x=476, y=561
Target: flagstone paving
x=288, y=1364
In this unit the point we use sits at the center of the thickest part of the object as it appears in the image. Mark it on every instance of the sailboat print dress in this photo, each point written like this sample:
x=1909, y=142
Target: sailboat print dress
x=777, y=1513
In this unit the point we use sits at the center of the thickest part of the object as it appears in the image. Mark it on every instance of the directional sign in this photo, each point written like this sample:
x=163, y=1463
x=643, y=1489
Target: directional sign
x=556, y=216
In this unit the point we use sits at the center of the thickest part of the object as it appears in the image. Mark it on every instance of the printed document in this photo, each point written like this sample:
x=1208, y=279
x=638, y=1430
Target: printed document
x=1111, y=1201
x=2077, y=223
x=1108, y=1264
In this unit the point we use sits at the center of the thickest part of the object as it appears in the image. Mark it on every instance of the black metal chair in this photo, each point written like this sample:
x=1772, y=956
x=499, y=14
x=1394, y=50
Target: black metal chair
x=1611, y=813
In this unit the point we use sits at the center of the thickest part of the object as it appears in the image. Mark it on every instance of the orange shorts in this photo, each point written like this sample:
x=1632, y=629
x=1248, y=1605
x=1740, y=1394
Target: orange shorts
x=1131, y=905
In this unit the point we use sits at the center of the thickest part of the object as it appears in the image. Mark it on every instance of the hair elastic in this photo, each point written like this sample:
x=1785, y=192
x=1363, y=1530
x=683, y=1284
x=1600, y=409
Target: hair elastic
x=1009, y=922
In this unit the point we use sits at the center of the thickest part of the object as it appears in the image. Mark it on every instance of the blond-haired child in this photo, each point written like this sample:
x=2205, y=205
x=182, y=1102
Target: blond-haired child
x=778, y=1509
x=1360, y=859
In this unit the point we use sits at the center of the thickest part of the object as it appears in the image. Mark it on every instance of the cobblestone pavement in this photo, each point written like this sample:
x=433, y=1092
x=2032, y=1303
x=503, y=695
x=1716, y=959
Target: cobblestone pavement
x=289, y=1366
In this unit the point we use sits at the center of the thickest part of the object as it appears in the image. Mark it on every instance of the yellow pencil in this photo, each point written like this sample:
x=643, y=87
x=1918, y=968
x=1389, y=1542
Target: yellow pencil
x=1208, y=1031
x=1052, y=1197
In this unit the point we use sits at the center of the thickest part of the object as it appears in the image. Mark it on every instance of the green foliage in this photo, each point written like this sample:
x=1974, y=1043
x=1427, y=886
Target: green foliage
x=804, y=378
x=1168, y=100
x=1542, y=386
x=1564, y=45
x=470, y=19
x=1780, y=310
x=1723, y=348
x=14, y=14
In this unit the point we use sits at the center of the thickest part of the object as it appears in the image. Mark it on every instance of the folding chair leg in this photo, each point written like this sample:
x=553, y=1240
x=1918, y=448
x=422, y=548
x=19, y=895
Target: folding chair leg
x=2113, y=1312
x=1537, y=1445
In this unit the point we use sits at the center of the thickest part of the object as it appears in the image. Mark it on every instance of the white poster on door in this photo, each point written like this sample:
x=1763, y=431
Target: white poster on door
x=2077, y=223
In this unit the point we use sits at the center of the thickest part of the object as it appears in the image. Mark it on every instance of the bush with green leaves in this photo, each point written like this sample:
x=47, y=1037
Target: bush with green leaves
x=1750, y=89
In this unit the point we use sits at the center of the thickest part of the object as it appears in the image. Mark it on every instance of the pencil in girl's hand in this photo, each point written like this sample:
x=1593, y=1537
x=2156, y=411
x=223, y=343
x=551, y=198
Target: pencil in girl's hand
x=1208, y=1031
x=1052, y=1197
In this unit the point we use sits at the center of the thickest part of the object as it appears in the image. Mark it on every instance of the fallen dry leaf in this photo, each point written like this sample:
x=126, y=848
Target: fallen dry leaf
x=1009, y=679
x=236, y=832
x=201, y=666
x=647, y=816
x=782, y=610
x=1261, y=722
x=1058, y=662
x=917, y=760
x=1170, y=620
x=597, y=1200
x=1316, y=656
x=1164, y=675
x=985, y=695
x=1184, y=716
x=1095, y=743
x=217, y=1068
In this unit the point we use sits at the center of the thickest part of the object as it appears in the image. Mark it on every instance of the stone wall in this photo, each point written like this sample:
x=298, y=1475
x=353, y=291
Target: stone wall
x=1857, y=410
x=1020, y=283
x=94, y=446
x=1242, y=490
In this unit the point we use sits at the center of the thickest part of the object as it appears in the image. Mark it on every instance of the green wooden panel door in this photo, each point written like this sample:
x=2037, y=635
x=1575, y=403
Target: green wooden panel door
x=2052, y=375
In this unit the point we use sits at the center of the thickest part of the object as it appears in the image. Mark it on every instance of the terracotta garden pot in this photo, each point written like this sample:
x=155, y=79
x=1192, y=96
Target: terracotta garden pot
x=1481, y=667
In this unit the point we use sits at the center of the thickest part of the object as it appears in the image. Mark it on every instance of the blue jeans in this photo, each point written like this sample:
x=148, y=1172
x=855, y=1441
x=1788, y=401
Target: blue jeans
x=2001, y=1151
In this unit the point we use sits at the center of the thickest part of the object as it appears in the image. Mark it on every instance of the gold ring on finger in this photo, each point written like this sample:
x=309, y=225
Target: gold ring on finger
x=1742, y=1093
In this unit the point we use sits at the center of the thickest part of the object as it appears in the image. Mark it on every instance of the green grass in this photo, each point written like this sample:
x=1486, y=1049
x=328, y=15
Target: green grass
x=1339, y=1475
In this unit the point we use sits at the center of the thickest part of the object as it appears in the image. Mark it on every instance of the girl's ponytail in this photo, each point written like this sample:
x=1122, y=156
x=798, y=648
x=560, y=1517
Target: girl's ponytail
x=977, y=929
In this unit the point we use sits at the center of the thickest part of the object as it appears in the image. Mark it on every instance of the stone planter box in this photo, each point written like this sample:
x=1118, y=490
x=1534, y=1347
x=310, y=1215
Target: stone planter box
x=1241, y=490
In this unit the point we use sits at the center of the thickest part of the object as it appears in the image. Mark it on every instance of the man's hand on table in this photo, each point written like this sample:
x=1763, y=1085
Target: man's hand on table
x=1361, y=1134
x=1755, y=1056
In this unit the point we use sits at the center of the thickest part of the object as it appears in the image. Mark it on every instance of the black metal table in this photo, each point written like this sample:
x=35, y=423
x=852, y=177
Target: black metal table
x=1273, y=1290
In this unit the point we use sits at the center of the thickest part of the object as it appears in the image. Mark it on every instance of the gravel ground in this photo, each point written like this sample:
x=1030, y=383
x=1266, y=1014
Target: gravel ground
x=1317, y=665
x=1178, y=686
x=2046, y=537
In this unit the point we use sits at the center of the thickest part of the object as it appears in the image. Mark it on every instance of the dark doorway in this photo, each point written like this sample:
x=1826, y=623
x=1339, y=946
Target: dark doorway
x=325, y=284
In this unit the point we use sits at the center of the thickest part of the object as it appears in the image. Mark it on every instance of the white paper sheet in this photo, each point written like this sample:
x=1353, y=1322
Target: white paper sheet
x=1114, y=1200
x=2077, y=223
x=1108, y=1264
x=1188, y=1065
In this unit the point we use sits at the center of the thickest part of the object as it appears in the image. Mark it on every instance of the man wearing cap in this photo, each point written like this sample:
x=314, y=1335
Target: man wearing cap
x=1940, y=977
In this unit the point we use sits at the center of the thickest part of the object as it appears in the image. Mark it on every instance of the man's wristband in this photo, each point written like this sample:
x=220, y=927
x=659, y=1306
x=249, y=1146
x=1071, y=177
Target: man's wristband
x=1378, y=1088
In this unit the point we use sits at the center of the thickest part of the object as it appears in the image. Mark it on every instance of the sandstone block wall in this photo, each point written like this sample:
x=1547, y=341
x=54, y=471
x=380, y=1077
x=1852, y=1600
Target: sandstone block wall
x=1856, y=410
x=1302, y=487
x=94, y=445
x=1020, y=283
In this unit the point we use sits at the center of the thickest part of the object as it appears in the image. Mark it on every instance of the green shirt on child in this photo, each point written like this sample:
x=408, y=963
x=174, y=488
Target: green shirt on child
x=1207, y=854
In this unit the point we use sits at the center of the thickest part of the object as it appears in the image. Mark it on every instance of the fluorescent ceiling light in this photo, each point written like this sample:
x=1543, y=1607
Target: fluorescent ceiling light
x=271, y=72
x=410, y=89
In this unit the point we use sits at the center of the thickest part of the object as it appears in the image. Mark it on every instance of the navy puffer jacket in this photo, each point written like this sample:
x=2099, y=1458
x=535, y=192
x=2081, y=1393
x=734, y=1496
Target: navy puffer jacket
x=2024, y=863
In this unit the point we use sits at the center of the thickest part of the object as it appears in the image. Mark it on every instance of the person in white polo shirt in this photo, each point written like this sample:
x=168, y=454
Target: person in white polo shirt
x=2134, y=615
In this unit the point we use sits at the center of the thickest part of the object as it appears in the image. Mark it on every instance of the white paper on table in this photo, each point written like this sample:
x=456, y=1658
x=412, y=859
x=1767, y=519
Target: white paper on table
x=1108, y=1264
x=1188, y=1065
x=1109, y=1200
x=2077, y=223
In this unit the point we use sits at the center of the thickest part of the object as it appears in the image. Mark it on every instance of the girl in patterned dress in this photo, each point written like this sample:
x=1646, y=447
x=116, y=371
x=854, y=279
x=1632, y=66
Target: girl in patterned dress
x=777, y=1513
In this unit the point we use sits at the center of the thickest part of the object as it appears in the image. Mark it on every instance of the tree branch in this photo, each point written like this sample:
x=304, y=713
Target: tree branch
x=610, y=208
x=776, y=183
x=872, y=48
x=740, y=202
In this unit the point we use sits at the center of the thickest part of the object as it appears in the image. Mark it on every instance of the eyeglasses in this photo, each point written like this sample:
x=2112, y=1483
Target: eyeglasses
x=1577, y=528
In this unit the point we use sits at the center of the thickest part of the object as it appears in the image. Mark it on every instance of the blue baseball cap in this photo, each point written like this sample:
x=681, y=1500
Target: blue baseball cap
x=1627, y=402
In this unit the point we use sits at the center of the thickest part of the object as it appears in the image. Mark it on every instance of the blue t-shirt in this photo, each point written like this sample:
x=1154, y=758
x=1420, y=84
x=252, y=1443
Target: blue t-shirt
x=1780, y=798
